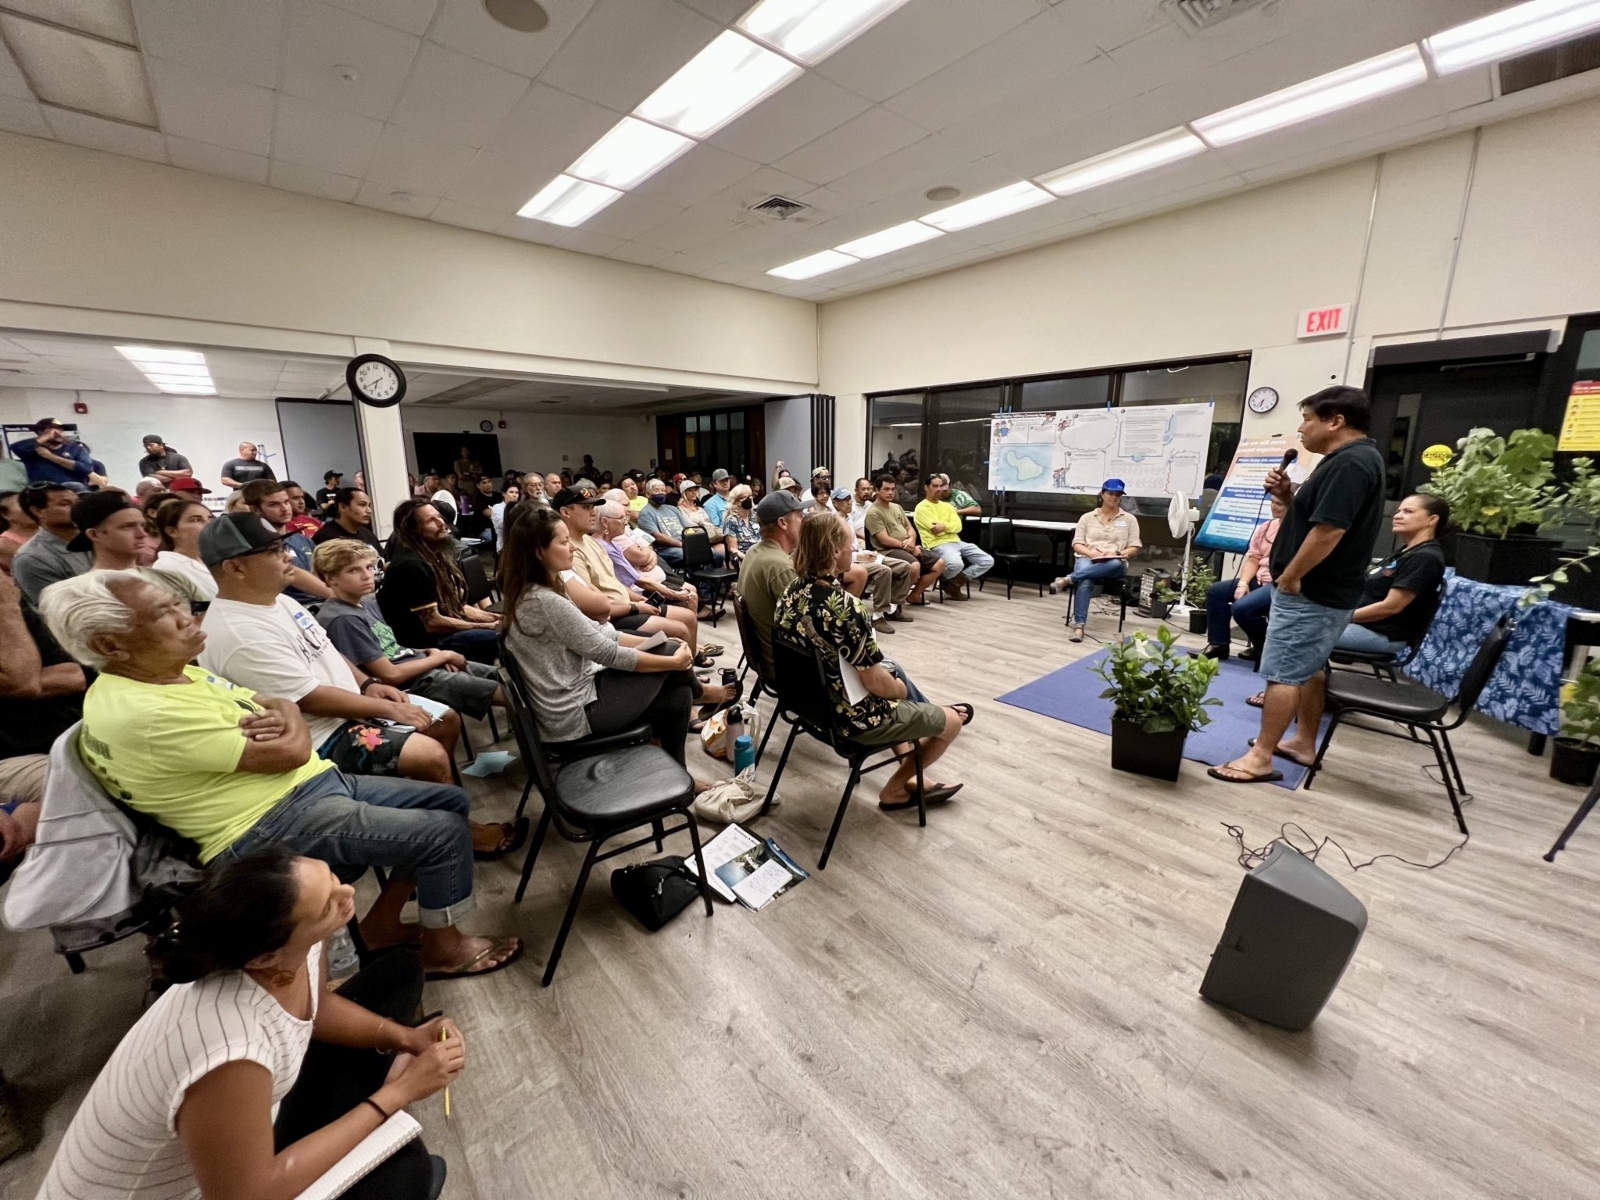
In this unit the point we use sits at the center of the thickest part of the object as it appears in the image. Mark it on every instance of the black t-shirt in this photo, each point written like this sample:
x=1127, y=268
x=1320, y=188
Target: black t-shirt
x=332, y=531
x=408, y=584
x=170, y=461
x=325, y=496
x=1345, y=491
x=30, y=725
x=1419, y=570
x=247, y=470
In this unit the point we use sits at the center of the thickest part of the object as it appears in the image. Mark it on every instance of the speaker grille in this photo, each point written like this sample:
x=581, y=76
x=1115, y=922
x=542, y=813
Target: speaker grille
x=1550, y=64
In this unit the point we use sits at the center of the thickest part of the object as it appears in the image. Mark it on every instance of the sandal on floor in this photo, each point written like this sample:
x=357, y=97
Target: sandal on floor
x=967, y=712
x=1288, y=757
x=1259, y=700
x=933, y=796
x=1241, y=777
x=707, y=709
x=510, y=842
x=704, y=661
x=465, y=971
x=713, y=649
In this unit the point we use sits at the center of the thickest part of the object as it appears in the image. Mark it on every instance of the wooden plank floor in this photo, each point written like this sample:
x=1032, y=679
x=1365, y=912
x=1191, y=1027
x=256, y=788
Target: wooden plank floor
x=1004, y=1003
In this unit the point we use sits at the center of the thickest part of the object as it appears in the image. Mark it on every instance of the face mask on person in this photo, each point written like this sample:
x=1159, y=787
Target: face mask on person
x=658, y=499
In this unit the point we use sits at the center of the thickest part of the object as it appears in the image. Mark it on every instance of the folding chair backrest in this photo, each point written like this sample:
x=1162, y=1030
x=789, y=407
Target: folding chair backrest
x=750, y=638
x=802, y=689
x=478, y=586
x=1430, y=609
x=525, y=722
x=1476, y=677
x=697, y=548
x=1002, y=535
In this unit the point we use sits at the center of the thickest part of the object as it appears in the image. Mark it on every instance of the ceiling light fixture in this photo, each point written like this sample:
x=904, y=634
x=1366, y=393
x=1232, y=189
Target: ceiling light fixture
x=810, y=30
x=633, y=151
x=180, y=372
x=568, y=201
x=896, y=237
x=1002, y=202
x=1510, y=32
x=1344, y=88
x=727, y=78
x=1132, y=159
x=816, y=264
x=520, y=16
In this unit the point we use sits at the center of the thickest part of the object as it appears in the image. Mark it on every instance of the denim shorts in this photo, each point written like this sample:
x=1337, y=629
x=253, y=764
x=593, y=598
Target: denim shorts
x=1300, y=635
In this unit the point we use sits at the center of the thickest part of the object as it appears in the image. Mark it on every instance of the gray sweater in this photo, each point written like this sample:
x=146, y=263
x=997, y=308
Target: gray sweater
x=560, y=651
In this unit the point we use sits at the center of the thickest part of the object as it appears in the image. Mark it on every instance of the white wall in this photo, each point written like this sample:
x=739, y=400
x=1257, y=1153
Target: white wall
x=206, y=429
x=541, y=442
x=1233, y=274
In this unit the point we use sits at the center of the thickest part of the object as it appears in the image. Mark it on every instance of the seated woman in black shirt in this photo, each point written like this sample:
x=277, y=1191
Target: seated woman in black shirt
x=1394, y=605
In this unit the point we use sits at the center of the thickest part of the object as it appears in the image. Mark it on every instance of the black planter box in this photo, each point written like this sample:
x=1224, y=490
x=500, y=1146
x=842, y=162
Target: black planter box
x=1197, y=620
x=1157, y=755
x=1582, y=588
x=1570, y=762
x=1504, y=560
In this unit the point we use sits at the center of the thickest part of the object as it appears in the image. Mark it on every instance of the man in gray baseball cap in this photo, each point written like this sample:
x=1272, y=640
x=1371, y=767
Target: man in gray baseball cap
x=233, y=535
x=767, y=571
x=716, y=504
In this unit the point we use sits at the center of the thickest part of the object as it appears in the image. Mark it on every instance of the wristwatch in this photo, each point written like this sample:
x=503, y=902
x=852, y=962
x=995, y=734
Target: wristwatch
x=366, y=683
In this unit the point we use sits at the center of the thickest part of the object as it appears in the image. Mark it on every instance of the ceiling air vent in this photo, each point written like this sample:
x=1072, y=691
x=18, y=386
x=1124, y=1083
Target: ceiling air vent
x=779, y=208
x=1548, y=65
x=1195, y=15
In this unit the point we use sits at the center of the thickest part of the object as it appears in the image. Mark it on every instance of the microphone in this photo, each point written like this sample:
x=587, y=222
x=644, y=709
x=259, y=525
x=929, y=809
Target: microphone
x=1289, y=456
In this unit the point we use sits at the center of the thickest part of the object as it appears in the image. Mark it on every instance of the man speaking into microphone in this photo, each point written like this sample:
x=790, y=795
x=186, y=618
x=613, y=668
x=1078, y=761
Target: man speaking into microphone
x=1319, y=563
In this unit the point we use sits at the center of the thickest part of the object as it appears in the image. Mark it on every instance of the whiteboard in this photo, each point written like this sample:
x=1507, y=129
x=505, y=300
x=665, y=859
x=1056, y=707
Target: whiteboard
x=1156, y=449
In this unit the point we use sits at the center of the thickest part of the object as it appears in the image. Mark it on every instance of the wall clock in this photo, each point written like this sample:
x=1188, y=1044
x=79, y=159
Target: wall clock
x=486, y=426
x=1263, y=400
x=375, y=380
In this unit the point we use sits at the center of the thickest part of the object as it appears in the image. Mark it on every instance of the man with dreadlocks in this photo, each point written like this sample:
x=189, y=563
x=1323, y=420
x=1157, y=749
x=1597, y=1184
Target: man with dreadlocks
x=424, y=594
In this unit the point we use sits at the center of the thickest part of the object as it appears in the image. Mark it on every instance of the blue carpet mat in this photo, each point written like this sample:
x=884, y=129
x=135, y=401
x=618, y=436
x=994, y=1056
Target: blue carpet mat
x=1072, y=694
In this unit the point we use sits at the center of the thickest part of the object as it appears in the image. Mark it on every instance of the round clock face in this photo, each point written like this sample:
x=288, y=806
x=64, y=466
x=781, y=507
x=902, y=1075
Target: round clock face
x=1263, y=400
x=375, y=380
x=486, y=426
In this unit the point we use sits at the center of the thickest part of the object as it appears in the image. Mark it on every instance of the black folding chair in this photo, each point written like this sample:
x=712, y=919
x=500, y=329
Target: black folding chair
x=596, y=797
x=806, y=703
x=1383, y=663
x=750, y=639
x=1417, y=708
x=480, y=588
x=1124, y=585
x=700, y=566
x=1003, y=549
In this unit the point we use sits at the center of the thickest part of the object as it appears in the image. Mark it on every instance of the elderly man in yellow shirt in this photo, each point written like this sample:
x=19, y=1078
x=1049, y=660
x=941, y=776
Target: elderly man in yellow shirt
x=940, y=526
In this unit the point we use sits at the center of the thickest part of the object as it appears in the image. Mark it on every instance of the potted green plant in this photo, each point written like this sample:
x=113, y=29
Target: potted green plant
x=1159, y=693
x=1162, y=597
x=1577, y=581
x=1501, y=493
x=1575, y=753
x=1201, y=577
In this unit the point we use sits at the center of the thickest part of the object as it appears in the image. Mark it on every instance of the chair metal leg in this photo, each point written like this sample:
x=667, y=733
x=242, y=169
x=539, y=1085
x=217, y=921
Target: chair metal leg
x=1584, y=810
x=1316, y=763
x=922, y=801
x=572, y=911
x=533, y=853
x=466, y=746
x=656, y=825
x=767, y=736
x=74, y=963
x=838, y=817
x=527, y=790
x=1450, y=754
x=1444, y=774
x=772, y=788
x=699, y=860
x=494, y=730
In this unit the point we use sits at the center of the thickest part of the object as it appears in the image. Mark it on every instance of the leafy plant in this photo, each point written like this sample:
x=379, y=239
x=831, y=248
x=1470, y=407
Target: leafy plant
x=1496, y=485
x=1580, y=706
x=1158, y=688
x=1164, y=592
x=1201, y=576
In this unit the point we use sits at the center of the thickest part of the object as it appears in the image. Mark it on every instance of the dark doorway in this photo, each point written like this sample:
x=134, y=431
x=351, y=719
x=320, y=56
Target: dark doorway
x=730, y=438
x=439, y=451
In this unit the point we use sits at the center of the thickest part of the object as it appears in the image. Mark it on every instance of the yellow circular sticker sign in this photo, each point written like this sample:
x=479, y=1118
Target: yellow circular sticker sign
x=1437, y=456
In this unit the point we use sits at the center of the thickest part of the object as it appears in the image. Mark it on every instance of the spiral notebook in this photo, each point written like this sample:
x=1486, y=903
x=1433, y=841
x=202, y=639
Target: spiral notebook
x=367, y=1154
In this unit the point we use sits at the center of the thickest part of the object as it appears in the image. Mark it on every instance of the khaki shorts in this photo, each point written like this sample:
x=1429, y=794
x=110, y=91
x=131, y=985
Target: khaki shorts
x=912, y=721
x=22, y=778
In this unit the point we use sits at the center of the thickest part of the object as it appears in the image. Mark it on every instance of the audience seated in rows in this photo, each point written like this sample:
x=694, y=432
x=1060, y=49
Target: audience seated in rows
x=634, y=563
x=269, y=500
x=740, y=532
x=233, y=771
x=178, y=522
x=301, y=519
x=939, y=524
x=692, y=514
x=424, y=594
x=1246, y=600
x=716, y=504
x=509, y=499
x=815, y=610
x=627, y=609
x=46, y=559
x=661, y=519
x=352, y=519
x=768, y=571
x=882, y=581
x=114, y=531
x=1105, y=539
x=16, y=527
x=250, y=1071
x=888, y=530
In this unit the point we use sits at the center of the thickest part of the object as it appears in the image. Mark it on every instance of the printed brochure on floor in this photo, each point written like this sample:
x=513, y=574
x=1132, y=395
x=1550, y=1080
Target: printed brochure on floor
x=748, y=869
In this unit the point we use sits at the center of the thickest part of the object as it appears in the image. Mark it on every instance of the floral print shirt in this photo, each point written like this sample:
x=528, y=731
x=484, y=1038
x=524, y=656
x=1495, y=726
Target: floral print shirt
x=822, y=614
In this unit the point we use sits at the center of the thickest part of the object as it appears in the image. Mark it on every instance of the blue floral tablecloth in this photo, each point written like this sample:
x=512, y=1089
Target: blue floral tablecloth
x=1525, y=689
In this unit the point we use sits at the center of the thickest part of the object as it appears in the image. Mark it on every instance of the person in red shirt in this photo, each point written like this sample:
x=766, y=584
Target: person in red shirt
x=302, y=521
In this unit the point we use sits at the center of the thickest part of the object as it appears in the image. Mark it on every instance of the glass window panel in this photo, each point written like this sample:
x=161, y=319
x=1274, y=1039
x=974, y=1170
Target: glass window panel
x=722, y=420
x=1080, y=391
x=1589, y=352
x=894, y=440
x=738, y=420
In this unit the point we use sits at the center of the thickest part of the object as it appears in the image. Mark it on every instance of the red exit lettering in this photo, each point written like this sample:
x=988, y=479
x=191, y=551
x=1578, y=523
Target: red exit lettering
x=1319, y=322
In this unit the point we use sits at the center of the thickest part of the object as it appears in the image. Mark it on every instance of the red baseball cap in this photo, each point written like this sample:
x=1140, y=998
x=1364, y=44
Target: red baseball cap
x=188, y=483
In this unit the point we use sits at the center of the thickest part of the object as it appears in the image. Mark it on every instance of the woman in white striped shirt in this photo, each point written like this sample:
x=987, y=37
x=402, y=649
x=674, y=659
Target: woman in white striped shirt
x=185, y=1107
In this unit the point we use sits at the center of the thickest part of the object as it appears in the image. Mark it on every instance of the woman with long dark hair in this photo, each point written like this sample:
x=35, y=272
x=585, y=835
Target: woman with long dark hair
x=1392, y=610
x=177, y=523
x=185, y=1104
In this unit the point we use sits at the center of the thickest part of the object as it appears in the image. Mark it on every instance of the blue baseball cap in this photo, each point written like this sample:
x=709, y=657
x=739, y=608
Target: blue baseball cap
x=1113, y=485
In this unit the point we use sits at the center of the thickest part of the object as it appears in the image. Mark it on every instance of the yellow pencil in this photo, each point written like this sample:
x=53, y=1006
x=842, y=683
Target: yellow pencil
x=444, y=1035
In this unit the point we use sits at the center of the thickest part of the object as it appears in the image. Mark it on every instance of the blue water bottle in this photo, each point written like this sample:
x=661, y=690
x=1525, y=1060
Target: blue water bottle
x=744, y=753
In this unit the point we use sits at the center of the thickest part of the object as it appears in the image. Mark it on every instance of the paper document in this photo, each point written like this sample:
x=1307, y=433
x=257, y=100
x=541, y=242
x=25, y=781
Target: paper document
x=765, y=882
x=729, y=844
x=650, y=643
x=367, y=1154
x=854, y=690
x=432, y=707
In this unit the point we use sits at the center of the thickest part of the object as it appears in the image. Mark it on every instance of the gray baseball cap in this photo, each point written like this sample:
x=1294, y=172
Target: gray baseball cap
x=719, y=475
x=234, y=535
x=775, y=506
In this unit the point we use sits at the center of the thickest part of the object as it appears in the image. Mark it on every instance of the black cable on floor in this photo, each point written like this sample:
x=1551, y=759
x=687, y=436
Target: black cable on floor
x=1249, y=857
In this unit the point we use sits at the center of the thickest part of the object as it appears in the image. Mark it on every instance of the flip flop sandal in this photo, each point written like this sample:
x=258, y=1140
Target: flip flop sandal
x=515, y=835
x=967, y=712
x=933, y=796
x=1259, y=700
x=1289, y=757
x=465, y=971
x=1266, y=777
x=704, y=661
x=712, y=649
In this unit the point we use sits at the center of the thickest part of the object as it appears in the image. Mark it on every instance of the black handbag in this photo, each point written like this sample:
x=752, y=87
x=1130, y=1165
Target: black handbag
x=655, y=892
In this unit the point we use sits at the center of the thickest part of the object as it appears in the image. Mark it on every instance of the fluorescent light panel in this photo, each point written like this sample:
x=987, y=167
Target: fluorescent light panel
x=727, y=78
x=568, y=201
x=897, y=237
x=1132, y=159
x=1002, y=202
x=810, y=30
x=632, y=152
x=1511, y=32
x=816, y=264
x=160, y=354
x=1345, y=88
x=180, y=372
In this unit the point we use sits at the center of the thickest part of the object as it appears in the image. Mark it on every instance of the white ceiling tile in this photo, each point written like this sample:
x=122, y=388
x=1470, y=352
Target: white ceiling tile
x=108, y=19
x=690, y=228
x=321, y=39
x=414, y=161
x=525, y=230
x=802, y=112
x=314, y=135
x=1068, y=96
x=918, y=39
x=854, y=144
x=724, y=11
x=410, y=15
x=98, y=134
x=586, y=241
x=211, y=108
x=630, y=216
x=625, y=49
x=497, y=181
x=549, y=129
x=312, y=181
x=1204, y=171
x=920, y=165
x=468, y=216
x=238, y=38
x=1084, y=136
x=686, y=264
x=216, y=160
x=698, y=175
x=637, y=252
x=79, y=72
x=760, y=186
x=457, y=97
x=12, y=82
x=1164, y=202
x=1043, y=237
x=464, y=25
x=396, y=200
x=22, y=116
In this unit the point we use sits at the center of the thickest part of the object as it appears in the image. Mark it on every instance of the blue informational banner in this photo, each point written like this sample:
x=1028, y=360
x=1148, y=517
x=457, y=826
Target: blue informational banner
x=1241, y=505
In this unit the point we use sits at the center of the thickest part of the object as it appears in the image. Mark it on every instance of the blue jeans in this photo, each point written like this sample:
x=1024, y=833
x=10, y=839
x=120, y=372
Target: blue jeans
x=1300, y=635
x=1085, y=574
x=962, y=557
x=913, y=692
x=1368, y=641
x=1249, y=610
x=478, y=645
x=419, y=830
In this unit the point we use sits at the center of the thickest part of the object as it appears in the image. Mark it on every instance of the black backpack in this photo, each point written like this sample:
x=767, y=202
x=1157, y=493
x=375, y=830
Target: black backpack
x=655, y=892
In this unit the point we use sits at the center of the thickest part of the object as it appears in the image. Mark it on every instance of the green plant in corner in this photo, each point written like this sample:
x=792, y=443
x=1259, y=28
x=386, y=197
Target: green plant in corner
x=1498, y=485
x=1164, y=592
x=1201, y=576
x=1157, y=687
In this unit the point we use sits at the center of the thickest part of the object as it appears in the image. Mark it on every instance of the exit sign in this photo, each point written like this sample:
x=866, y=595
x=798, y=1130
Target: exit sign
x=1323, y=322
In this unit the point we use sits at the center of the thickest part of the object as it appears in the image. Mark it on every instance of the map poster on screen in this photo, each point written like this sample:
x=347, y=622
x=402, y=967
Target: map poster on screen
x=1155, y=449
x=1241, y=504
